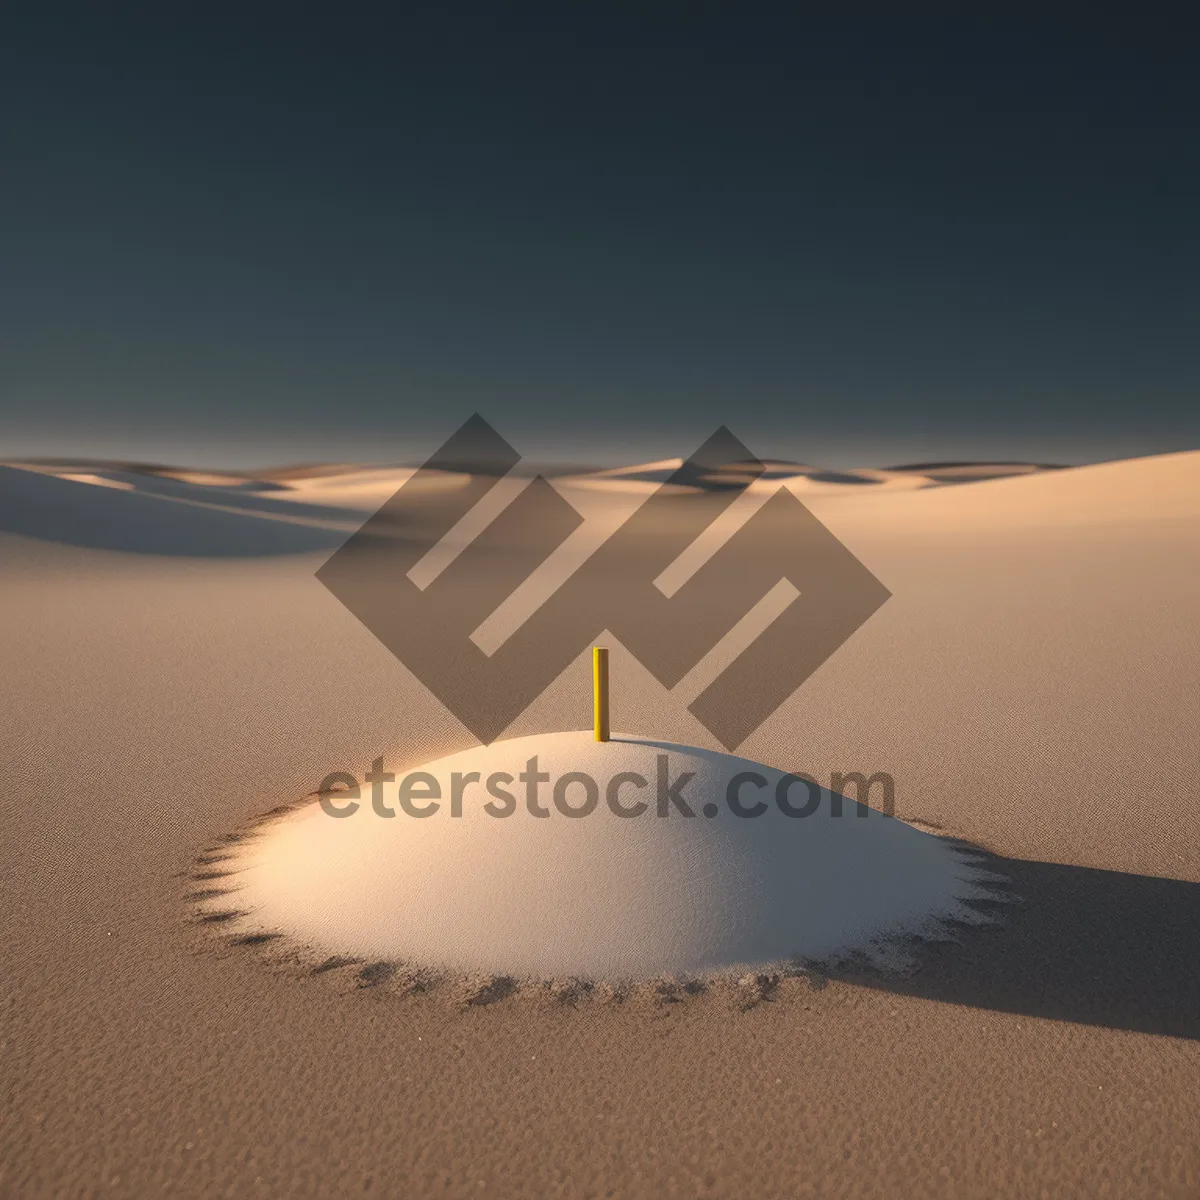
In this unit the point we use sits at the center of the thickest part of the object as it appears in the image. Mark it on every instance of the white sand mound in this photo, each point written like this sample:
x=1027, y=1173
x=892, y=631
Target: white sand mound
x=600, y=894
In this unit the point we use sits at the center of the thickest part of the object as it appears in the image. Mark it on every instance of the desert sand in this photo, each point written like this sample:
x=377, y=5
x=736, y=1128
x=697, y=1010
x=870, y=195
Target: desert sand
x=175, y=671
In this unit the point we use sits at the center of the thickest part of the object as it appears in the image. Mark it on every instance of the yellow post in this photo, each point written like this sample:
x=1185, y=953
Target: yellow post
x=600, y=692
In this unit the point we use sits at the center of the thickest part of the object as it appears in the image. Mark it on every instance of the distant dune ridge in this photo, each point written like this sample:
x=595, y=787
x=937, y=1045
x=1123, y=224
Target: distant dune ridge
x=803, y=478
x=335, y=475
x=166, y=510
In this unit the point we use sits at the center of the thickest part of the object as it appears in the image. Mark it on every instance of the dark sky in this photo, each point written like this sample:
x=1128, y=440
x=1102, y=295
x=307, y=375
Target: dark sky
x=247, y=238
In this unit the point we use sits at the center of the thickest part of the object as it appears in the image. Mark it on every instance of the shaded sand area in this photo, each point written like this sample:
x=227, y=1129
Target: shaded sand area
x=174, y=671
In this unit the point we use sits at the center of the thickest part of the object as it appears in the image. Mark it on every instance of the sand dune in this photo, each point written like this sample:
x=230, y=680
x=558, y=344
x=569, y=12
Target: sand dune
x=160, y=517
x=1164, y=487
x=644, y=478
x=174, y=671
x=364, y=488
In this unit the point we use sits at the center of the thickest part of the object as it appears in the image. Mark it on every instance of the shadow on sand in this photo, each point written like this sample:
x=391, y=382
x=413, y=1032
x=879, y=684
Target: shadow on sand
x=1084, y=945
x=157, y=519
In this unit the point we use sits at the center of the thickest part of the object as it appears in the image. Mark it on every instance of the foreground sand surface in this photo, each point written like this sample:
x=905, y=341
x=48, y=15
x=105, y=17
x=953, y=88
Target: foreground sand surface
x=173, y=669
